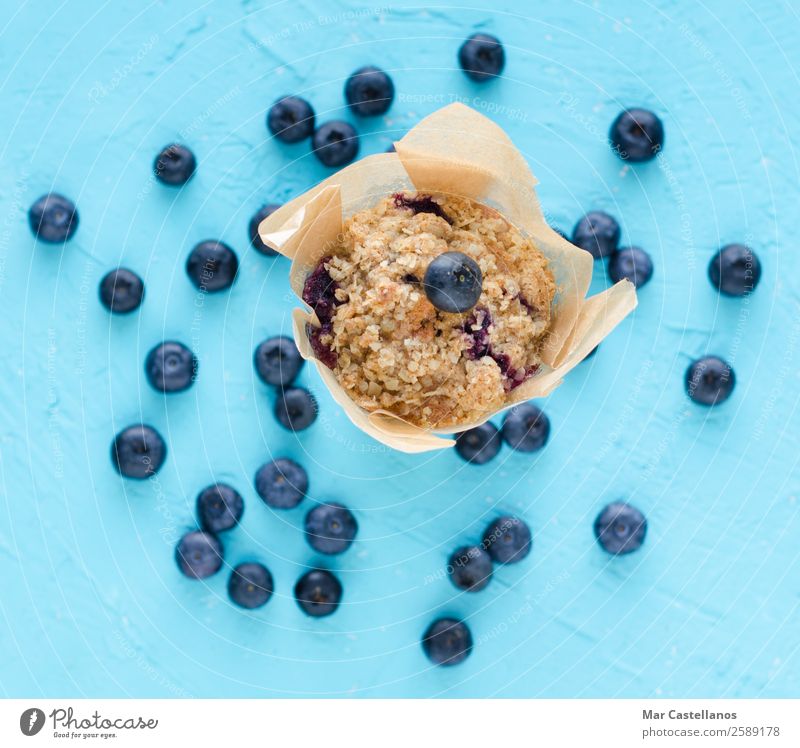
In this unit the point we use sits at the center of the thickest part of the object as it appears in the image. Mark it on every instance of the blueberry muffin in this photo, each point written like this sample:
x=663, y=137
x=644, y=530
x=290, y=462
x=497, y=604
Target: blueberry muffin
x=431, y=307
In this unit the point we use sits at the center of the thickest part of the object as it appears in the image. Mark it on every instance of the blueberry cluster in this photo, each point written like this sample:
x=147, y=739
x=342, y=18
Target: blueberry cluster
x=452, y=283
x=507, y=540
x=278, y=362
x=525, y=428
x=369, y=92
x=637, y=135
x=599, y=234
x=330, y=528
x=139, y=451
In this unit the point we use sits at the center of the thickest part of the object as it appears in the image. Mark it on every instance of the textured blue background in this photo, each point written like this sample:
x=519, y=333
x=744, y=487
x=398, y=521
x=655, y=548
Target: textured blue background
x=90, y=600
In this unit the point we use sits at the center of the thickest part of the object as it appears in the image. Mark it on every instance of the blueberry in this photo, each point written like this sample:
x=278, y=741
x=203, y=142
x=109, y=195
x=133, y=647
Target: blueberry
x=318, y=593
x=632, y=263
x=255, y=239
x=453, y=282
x=199, y=555
x=291, y=119
x=479, y=445
x=482, y=57
x=620, y=528
x=330, y=528
x=335, y=143
x=598, y=233
x=420, y=204
x=470, y=568
x=250, y=585
x=212, y=266
x=637, y=135
x=170, y=367
x=709, y=380
x=138, y=451
x=507, y=540
x=369, y=91
x=174, y=165
x=282, y=483
x=447, y=641
x=277, y=361
x=295, y=408
x=526, y=428
x=735, y=270
x=219, y=507
x=53, y=218
x=121, y=291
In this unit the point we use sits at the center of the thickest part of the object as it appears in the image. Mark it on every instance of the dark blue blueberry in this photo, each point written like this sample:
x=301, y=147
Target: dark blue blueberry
x=199, y=555
x=174, y=165
x=212, y=266
x=507, y=540
x=598, y=233
x=709, y=380
x=250, y=585
x=53, y=218
x=330, y=528
x=482, y=57
x=295, y=408
x=470, y=568
x=219, y=507
x=138, y=451
x=282, y=483
x=637, y=135
x=335, y=143
x=255, y=239
x=632, y=263
x=318, y=593
x=291, y=119
x=453, y=282
x=526, y=428
x=447, y=641
x=277, y=361
x=369, y=91
x=735, y=270
x=479, y=445
x=620, y=528
x=121, y=291
x=170, y=367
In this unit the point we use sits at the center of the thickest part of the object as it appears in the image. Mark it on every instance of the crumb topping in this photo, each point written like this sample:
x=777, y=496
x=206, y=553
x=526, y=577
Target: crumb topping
x=391, y=349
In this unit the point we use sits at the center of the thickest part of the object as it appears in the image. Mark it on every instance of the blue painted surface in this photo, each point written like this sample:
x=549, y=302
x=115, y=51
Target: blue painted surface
x=91, y=602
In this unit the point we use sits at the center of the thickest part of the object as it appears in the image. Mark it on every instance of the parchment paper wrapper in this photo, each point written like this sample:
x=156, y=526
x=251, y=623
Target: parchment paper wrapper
x=457, y=151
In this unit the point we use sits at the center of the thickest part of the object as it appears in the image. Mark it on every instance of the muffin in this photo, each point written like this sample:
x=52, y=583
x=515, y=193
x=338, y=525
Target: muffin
x=427, y=312
x=395, y=344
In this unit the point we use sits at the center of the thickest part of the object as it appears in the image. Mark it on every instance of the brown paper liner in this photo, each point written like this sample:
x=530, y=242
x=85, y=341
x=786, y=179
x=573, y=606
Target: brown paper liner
x=457, y=151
